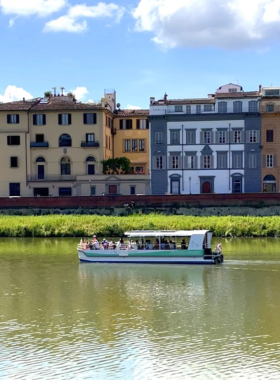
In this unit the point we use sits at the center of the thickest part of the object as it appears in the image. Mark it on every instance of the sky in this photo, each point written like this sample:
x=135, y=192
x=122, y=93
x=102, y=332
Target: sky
x=141, y=49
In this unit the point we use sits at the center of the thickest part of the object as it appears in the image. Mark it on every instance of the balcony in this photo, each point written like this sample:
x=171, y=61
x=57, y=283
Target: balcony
x=90, y=144
x=51, y=178
x=35, y=144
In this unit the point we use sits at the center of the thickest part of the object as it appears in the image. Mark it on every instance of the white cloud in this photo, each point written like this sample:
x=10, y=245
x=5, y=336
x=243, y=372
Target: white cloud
x=226, y=24
x=131, y=107
x=13, y=93
x=70, y=22
x=65, y=24
x=80, y=92
x=31, y=7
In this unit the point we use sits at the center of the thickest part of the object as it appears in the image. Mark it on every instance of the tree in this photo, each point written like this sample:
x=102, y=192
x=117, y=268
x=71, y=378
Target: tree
x=115, y=164
x=47, y=94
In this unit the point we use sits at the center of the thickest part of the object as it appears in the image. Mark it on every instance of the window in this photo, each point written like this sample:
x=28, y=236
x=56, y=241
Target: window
x=138, y=169
x=64, y=118
x=221, y=137
x=127, y=145
x=252, y=136
x=12, y=119
x=270, y=108
x=237, y=186
x=252, y=160
x=14, y=162
x=178, y=108
x=237, y=106
x=89, y=118
x=174, y=162
x=141, y=145
x=269, y=160
x=174, y=137
x=198, y=108
x=221, y=160
x=206, y=162
x=253, y=106
x=41, y=191
x=65, y=140
x=13, y=140
x=125, y=124
x=132, y=190
x=206, y=137
x=222, y=107
x=237, y=160
x=93, y=190
x=237, y=137
x=142, y=124
x=40, y=159
x=14, y=189
x=159, y=162
x=190, y=137
x=188, y=108
x=273, y=92
x=190, y=162
x=232, y=90
x=90, y=138
x=39, y=119
x=90, y=161
x=65, y=191
x=269, y=135
x=39, y=138
x=134, y=145
x=65, y=166
x=208, y=107
x=158, y=137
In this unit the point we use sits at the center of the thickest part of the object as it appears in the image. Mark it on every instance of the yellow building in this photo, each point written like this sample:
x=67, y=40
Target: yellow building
x=55, y=147
x=132, y=138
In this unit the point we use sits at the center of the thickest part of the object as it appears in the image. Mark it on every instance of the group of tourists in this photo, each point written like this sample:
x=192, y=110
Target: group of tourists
x=104, y=244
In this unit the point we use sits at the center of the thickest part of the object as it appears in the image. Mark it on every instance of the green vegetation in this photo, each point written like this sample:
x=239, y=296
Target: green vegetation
x=87, y=225
x=114, y=165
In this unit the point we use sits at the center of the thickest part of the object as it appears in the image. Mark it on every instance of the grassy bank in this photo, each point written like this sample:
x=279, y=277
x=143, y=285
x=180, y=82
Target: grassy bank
x=87, y=225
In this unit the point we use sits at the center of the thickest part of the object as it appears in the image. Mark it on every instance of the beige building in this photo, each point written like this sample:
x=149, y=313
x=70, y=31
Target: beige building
x=55, y=147
x=270, y=113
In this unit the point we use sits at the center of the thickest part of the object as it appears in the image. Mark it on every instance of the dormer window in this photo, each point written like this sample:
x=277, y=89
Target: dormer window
x=232, y=90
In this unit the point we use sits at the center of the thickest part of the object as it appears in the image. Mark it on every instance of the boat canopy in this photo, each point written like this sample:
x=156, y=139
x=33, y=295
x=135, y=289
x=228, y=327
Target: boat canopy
x=157, y=233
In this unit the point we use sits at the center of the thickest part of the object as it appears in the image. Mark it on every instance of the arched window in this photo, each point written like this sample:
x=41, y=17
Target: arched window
x=90, y=162
x=65, y=140
x=269, y=184
x=40, y=159
x=65, y=166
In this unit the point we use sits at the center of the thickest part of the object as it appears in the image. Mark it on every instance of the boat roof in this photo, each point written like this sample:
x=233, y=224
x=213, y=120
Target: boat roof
x=143, y=233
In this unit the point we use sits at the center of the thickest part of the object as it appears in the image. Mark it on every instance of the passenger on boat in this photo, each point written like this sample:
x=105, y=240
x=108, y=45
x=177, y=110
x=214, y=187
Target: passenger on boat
x=156, y=244
x=183, y=244
x=171, y=244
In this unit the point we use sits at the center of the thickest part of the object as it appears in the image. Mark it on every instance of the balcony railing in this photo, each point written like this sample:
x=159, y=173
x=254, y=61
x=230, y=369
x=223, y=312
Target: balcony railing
x=43, y=144
x=90, y=144
x=51, y=178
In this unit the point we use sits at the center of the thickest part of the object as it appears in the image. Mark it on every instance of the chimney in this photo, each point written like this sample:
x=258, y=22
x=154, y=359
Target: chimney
x=152, y=100
x=260, y=89
x=23, y=99
x=165, y=98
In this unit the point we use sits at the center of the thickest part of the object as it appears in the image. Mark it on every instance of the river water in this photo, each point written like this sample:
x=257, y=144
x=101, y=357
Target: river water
x=63, y=320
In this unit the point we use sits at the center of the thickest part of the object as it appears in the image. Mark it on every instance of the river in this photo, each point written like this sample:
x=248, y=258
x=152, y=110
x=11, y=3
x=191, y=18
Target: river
x=63, y=320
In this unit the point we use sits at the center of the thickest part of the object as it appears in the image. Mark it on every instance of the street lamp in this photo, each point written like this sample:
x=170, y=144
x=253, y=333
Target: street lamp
x=190, y=184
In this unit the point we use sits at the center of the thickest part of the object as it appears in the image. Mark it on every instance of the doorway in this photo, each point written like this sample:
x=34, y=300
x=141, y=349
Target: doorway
x=206, y=188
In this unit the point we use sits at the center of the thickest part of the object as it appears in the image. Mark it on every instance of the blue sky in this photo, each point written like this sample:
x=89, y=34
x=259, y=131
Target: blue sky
x=186, y=48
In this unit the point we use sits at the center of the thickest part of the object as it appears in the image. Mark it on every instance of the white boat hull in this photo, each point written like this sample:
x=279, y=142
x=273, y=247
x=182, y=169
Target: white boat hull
x=126, y=259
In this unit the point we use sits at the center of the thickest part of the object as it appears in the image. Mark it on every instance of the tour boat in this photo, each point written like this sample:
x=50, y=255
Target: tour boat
x=161, y=247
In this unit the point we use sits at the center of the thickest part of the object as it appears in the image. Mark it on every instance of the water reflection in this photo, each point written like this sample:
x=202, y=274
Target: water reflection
x=65, y=320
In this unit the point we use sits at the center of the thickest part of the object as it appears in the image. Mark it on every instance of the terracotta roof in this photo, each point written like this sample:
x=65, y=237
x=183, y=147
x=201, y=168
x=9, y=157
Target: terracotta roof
x=248, y=94
x=130, y=113
x=18, y=105
x=64, y=103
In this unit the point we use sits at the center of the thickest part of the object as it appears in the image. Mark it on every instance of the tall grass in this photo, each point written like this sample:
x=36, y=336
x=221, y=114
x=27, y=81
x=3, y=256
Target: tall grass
x=87, y=225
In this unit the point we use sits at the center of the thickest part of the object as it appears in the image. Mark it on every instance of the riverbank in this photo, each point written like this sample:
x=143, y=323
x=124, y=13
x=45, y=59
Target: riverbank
x=115, y=226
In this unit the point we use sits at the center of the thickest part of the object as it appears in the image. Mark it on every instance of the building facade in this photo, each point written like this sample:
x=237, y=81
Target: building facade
x=209, y=145
x=55, y=146
x=270, y=115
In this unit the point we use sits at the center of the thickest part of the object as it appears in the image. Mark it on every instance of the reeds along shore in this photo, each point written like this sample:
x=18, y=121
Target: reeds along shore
x=110, y=226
